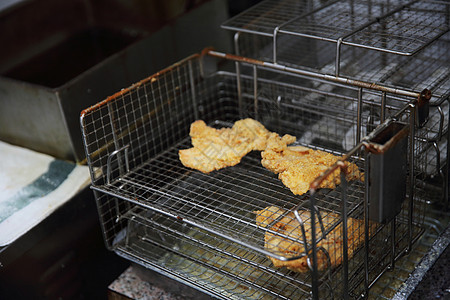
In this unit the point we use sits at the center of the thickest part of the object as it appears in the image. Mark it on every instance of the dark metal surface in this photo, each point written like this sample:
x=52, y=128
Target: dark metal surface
x=50, y=71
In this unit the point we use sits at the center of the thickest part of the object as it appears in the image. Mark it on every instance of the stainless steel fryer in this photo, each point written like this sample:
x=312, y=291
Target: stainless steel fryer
x=200, y=228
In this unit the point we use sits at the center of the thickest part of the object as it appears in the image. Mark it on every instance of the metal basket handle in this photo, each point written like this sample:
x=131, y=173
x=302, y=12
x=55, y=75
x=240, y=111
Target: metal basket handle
x=114, y=153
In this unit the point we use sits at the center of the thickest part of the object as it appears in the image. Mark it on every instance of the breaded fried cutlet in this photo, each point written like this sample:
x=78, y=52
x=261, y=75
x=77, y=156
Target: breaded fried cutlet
x=298, y=166
x=214, y=149
x=286, y=237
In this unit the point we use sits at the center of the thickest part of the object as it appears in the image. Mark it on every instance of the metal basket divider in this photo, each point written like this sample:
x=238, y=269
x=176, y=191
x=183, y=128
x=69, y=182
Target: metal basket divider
x=239, y=85
x=117, y=153
x=313, y=189
x=414, y=111
x=313, y=264
x=446, y=174
x=393, y=223
x=238, y=77
x=108, y=173
x=119, y=149
x=278, y=28
x=344, y=185
x=275, y=32
x=412, y=129
x=339, y=41
x=433, y=143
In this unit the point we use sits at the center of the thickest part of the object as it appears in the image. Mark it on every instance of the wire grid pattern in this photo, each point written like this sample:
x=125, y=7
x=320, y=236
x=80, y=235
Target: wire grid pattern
x=309, y=112
x=427, y=69
x=231, y=269
x=382, y=259
x=264, y=17
x=110, y=210
x=225, y=201
x=152, y=174
x=298, y=51
x=318, y=113
x=337, y=20
x=389, y=241
x=149, y=117
x=222, y=202
x=402, y=28
x=235, y=271
x=431, y=142
x=407, y=30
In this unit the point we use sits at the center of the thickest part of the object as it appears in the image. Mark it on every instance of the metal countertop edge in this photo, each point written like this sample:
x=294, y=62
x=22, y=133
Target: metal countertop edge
x=438, y=247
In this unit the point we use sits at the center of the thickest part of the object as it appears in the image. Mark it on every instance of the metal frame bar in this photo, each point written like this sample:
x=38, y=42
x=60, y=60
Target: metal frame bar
x=339, y=79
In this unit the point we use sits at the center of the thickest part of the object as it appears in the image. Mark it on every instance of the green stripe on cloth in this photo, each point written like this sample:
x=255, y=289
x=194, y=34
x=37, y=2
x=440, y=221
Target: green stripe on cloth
x=57, y=172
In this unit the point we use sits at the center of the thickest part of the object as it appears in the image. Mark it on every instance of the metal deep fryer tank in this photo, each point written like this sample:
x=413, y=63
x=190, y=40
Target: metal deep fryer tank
x=340, y=76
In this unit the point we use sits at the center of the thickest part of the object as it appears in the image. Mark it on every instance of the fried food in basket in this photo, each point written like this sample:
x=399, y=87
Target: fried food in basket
x=298, y=166
x=286, y=238
x=215, y=149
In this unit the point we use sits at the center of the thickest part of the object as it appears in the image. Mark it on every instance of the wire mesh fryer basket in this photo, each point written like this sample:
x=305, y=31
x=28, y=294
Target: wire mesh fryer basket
x=132, y=141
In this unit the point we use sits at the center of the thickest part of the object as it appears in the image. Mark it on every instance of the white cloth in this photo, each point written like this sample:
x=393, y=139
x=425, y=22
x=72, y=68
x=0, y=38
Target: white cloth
x=32, y=186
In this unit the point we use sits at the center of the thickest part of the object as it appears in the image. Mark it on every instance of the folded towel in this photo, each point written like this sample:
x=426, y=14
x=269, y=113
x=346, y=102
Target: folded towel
x=32, y=186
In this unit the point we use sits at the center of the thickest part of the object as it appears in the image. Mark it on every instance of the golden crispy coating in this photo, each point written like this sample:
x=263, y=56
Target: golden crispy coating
x=287, y=238
x=215, y=149
x=254, y=131
x=298, y=166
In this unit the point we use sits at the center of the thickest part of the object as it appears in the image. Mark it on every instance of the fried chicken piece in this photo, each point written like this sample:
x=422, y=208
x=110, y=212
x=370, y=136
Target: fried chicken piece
x=286, y=238
x=298, y=166
x=215, y=149
x=254, y=131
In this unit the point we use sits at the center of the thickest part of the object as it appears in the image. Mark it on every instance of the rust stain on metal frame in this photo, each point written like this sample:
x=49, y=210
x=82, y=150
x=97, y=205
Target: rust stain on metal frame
x=276, y=66
x=233, y=57
x=122, y=92
x=376, y=148
x=151, y=78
